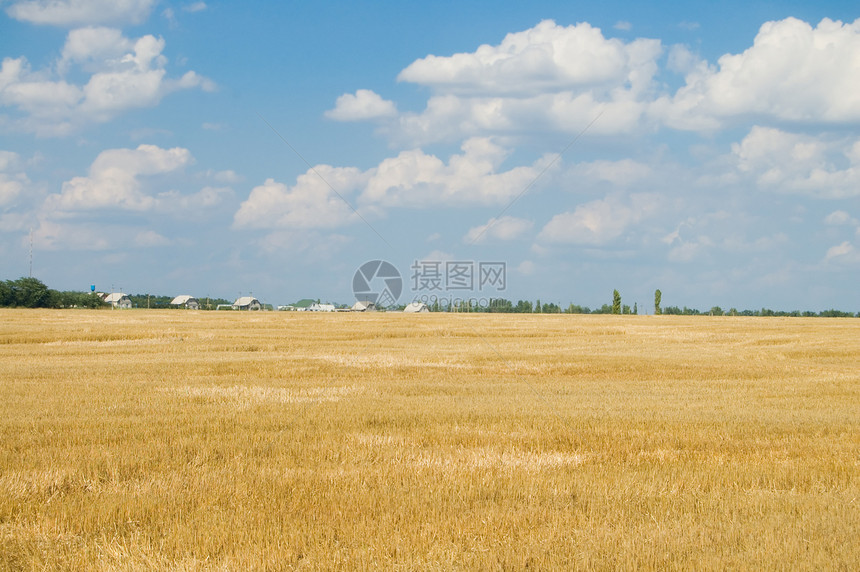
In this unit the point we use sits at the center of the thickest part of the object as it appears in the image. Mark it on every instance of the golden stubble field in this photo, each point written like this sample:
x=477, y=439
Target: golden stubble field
x=208, y=441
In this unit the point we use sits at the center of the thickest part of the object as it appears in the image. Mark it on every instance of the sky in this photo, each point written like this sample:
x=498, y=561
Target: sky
x=543, y=150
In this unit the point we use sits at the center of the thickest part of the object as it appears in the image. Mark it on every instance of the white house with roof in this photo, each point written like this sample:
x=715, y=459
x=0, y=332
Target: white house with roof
x=416, y=307
x=364, y=306
x=247, y=303
x=315, y=307
x=117, y=300
x=186, y=301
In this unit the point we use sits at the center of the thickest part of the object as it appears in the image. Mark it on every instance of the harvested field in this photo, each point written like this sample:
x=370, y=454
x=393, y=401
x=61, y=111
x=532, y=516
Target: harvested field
x=208, y=441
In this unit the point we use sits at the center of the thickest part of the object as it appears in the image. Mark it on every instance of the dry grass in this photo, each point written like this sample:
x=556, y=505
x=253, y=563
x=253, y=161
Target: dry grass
x=211, y=441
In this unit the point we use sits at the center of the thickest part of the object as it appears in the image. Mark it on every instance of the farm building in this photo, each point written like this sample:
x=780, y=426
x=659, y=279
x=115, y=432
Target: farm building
x=117, y=300
x=247, y=303
x=416, y=307
x=303, y=304
x=364, y=306
x=185, y=301
x=321, y=308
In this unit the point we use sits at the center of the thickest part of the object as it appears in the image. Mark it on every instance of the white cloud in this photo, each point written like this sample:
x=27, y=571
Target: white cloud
x=94, y=48
x=310, y=203
x=437, y=256
x=95, y=236
x=622, y=173
x=149, y=238
x=502, y=228
x=560, y=78
x=195, y=7
x=792, y=72
x=682, y=61
x=365, y=104
x=13, y=180
x=599, y=222
x=802, y=164
x=114, y=180
x=10, y=188
x=411, y=179
x=844, y=252
x=227, y=176
x=549, y=77
x=190, y=205
x=124, y=74
x=81, y=12
x=414, y=178
x=688, y=251
x=547, y=57
x=170, y=15
x=526, y=268
x=623, y=25
x=838, y=218
x=9, y=160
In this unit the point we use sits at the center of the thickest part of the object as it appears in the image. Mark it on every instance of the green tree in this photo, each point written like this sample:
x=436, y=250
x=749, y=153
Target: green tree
x=5, y=293
x=658, y=297
x=537, y=307
x=31, y=293
x=616, y=302
x=523, y=307
x=635, y=309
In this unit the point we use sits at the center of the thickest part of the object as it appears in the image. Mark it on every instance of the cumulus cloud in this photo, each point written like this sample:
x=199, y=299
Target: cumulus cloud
x=792, y=72
x=124, y=74
x=794, y=163
x=599, y=222
x=839, y=218
x=414, y=178
x=843, y=253
x=560, y=78
x=310, y=203
x=59, y=235
x=410, y=179
x=115, y=180
x=502, y=228
x=547, y=77
x=81, y=12
x=365, y=104
x=12, y=178
x=547, y=57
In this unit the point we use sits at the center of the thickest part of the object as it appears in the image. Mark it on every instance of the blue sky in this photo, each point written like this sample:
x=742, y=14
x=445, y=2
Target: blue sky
x=217, y=149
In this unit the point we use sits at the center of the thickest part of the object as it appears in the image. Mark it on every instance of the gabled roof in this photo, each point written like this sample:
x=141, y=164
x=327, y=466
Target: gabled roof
x=416, y=307
x=182, y=299
x=363, y=306
x=245, y=301
x=115, y=297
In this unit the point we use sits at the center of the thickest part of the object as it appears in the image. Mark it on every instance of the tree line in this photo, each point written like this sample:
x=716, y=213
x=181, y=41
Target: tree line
x=33, y=293
x=501, y=305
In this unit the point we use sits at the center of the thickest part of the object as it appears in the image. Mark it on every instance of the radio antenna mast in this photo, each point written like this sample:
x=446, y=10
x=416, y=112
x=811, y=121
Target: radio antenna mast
x=31, y=252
